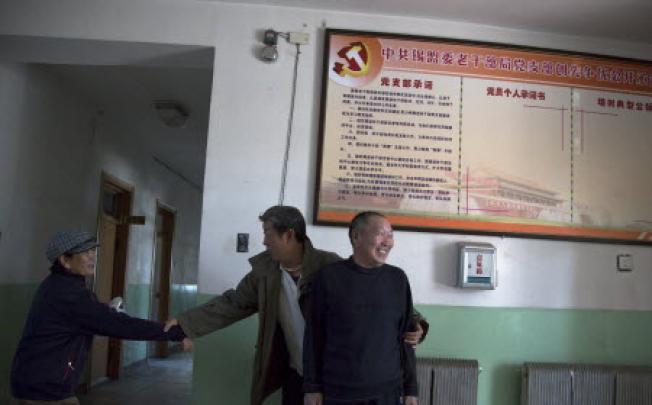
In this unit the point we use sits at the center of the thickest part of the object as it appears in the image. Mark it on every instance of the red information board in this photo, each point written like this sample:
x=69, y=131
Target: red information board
x=469, y=137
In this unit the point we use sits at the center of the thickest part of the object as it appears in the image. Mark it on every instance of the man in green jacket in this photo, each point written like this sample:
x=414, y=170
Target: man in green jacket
x=278, y=288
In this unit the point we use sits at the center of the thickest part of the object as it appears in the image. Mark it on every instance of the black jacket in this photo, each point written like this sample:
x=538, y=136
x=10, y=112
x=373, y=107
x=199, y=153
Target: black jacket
x=58, y=334
x=353, y=345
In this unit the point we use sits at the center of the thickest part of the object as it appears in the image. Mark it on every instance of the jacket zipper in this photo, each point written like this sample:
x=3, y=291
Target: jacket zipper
x=70, y=368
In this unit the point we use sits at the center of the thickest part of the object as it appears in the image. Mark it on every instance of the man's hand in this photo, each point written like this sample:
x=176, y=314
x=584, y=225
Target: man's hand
x=410, y=400
x=187, y=345
x=413, y=338
x=313, y=398
x=170, y=323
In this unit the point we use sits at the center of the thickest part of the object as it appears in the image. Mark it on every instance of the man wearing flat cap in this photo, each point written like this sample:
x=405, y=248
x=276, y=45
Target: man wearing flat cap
x=62, y=321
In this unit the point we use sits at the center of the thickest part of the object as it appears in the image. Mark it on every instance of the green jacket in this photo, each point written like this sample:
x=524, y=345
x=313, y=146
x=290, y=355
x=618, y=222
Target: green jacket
x=259, y=292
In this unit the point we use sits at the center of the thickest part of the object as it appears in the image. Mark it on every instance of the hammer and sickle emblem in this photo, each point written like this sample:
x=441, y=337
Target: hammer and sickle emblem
x=357, y=60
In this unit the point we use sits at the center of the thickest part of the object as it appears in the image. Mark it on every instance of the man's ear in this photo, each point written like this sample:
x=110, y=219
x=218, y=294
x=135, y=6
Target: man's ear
x=64, y=262
x=354, y=236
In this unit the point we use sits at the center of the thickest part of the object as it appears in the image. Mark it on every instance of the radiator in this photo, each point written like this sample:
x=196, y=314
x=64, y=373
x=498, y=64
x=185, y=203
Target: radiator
x=447, y=381
x=583, y=384
x=593, y=385
x=546, y=384
x=634, y=386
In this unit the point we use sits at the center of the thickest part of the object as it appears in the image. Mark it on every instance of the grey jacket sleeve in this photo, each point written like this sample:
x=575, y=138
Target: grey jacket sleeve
x=223, y=310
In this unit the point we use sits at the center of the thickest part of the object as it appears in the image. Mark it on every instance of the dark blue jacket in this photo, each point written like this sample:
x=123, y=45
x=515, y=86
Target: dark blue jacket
x=353, y=345
x=59, y=332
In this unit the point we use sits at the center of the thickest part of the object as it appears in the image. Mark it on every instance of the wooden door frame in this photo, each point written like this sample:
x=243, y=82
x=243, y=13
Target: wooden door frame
x=164, y=282
x=125, y=199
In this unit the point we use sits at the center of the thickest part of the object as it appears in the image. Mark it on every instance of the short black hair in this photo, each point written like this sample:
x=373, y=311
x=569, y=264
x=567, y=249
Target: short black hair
x=360, y=220
x=283, y=218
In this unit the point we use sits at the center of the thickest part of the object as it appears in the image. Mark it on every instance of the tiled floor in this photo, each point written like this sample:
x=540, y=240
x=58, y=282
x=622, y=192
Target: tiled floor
x=155, y=382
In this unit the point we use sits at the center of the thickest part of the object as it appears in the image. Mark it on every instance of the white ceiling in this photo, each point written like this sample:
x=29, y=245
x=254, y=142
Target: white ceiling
x=125, y=94
x=123, y=79
x=627, y=20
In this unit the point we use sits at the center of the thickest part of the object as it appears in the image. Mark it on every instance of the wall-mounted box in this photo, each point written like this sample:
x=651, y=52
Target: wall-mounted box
x=477, y=266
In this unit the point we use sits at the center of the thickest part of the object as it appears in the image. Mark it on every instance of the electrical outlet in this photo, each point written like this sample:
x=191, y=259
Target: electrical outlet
x=299, y=38
x=625, y=262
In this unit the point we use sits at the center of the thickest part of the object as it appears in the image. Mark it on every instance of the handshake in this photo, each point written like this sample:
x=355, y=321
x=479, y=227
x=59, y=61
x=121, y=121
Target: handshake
x=186, y=343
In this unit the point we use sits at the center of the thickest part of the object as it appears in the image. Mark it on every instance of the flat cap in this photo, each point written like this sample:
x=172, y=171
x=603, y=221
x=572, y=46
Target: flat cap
x=69, y=242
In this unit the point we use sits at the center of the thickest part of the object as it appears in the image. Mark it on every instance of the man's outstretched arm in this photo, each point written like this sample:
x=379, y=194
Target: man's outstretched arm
x=222, y=310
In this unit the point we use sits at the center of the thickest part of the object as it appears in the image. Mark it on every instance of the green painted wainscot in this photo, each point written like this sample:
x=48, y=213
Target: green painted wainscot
x=501, y=339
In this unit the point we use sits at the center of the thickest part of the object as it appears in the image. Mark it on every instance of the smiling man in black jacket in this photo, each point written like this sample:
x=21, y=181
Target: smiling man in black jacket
x=354, y=353
x=62, y=321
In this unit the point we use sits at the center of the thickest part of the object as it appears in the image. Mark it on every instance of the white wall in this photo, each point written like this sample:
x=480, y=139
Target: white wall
x=250, y=103
x=45, y=137
x=249, y=119
x=53, y=149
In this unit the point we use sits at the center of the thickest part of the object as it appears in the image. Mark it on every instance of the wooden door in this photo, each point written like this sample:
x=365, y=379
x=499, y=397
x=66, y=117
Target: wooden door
x=103, y=290
x=162, y=270
x=113, y=223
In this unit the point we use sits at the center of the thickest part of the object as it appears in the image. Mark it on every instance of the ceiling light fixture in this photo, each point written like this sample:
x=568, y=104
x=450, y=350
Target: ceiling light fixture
x=171, y=113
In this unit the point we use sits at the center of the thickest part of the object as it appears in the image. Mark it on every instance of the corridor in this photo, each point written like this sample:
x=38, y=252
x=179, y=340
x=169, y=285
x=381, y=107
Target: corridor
x=156, y=381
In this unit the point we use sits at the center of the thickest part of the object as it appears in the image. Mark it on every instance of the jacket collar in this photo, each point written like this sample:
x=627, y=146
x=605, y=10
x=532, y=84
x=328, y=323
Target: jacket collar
x=307, y=264
x=265, y=258
x=57, y=268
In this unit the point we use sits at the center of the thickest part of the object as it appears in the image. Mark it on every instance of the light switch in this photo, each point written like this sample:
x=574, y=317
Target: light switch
x=242, y=242
x=625, y=262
